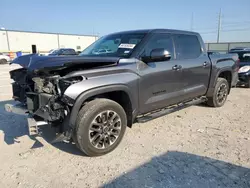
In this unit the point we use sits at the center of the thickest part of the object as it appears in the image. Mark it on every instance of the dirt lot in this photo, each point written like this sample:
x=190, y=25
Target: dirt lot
x=196, y=147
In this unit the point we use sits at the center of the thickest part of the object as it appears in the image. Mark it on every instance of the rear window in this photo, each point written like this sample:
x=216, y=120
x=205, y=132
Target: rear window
x=187, y=46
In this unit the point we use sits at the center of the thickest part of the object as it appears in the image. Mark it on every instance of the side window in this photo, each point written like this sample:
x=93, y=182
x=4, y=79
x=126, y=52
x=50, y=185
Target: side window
x=61, y=52
x=65, y=52
x=187, y=46
x=68, y=52
x=71, y=52
x=159, y=40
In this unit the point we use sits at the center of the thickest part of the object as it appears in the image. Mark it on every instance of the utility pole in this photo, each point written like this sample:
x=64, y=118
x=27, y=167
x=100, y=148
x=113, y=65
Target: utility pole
x=192, y=22
x=219, y=27
x=7, y=37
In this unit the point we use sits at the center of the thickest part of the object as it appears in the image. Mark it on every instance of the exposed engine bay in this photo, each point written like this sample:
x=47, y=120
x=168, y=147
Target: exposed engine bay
x=42, y=81
x=43, y=94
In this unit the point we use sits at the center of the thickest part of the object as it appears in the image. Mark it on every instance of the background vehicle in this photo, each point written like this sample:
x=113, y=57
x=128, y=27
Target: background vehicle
x=239, y=49
x=213, y=53
x=4, y=58
x=93, y=97
x=62, y=51
x=244, y=65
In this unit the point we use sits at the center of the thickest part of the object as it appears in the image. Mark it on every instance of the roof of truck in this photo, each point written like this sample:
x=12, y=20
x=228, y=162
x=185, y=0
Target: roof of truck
x=157, y=31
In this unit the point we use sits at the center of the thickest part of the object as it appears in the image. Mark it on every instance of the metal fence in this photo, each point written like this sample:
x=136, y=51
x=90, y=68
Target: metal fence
x=225, y=47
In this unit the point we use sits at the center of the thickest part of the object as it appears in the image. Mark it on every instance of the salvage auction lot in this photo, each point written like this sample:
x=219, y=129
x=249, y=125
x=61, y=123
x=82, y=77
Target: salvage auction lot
x=195, y=147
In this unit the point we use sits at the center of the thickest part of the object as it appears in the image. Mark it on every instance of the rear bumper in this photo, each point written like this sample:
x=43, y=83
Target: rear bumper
x=235, y=80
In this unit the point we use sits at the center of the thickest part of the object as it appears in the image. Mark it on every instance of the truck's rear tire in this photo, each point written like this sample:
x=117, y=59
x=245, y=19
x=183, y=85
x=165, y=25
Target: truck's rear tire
x=220, y=93
x=100, y=127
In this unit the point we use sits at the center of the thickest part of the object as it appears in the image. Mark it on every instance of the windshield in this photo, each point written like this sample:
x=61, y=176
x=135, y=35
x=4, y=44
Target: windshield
x=243, y=56
x=54, y=52
x=116, y=45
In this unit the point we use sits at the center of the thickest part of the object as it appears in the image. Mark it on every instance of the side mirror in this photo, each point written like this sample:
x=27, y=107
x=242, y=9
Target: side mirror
x=160, y=54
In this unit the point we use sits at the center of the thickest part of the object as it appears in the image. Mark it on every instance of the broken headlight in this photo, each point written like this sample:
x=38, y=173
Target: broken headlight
x=64, y=83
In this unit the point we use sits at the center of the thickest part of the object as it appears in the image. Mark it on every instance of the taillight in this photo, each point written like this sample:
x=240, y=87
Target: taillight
x=238, y=64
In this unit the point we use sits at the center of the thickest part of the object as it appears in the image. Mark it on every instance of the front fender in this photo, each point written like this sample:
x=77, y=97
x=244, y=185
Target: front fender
x=97, y=91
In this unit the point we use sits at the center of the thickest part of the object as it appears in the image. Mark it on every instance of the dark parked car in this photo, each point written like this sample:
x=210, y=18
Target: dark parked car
x=213, y=53
x=144, y=74
x=239, y=49
x=244, y=65
x=62, y=52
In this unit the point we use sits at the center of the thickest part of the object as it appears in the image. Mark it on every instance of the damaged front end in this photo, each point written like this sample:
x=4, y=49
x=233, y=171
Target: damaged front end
x=40, y=89
x=43, y=97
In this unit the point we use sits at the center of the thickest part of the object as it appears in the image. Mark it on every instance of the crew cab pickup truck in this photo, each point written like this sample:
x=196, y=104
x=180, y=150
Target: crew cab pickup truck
x=137, y=76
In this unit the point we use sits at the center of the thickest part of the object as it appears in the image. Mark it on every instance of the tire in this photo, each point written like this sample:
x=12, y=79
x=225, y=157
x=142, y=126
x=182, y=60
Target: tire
x=220, y=93
x=247, y=85
x=93, y=135
x=3, y=61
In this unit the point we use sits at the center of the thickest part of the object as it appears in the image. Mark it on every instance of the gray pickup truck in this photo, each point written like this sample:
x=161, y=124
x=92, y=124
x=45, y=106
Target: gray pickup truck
x=122, y=78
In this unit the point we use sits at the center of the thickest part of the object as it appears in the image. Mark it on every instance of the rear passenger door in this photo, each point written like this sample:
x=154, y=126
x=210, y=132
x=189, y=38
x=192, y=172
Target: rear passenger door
x=195, y=65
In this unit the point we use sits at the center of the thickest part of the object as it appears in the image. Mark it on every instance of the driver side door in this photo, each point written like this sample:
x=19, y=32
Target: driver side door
x=160, y=83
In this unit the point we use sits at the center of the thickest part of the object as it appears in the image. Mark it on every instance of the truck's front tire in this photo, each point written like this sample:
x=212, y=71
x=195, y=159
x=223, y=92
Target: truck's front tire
x=220, y=93
x=100, y=127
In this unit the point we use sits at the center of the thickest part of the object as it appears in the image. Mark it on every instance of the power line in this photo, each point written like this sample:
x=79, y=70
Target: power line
x=208, y=33
x=228, y=30
x=234, y=23
x=206, y=29
x=223, y=25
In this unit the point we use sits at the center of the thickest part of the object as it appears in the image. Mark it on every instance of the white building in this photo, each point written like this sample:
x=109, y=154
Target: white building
x=13, y=41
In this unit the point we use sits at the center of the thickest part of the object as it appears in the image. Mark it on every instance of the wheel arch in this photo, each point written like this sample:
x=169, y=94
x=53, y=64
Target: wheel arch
x=223, y=73
x=113, y=92
x=227, y=74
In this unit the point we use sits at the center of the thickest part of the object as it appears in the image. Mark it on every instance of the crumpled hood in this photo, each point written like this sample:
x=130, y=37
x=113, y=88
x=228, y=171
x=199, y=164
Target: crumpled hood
x=37, y=62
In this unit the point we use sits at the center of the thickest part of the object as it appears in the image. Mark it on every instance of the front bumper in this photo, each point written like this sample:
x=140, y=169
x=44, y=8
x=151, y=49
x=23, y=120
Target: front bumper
x=244, y=77
x=33, y=124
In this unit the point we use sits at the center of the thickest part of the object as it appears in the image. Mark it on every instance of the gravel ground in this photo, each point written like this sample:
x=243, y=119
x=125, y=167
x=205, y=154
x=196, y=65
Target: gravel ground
x=195, y=147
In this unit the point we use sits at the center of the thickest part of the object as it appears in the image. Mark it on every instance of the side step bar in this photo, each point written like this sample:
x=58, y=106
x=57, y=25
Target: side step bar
x=165, y=111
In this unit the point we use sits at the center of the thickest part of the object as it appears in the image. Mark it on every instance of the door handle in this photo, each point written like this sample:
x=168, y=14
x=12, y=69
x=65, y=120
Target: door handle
x=177, y=67
x=205, y=64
